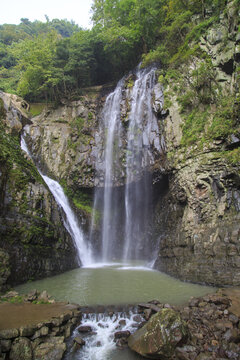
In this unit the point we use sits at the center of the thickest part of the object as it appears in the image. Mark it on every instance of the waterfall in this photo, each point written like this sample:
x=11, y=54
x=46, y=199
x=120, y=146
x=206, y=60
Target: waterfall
x=129, y=146
x=111, y=110
x=70, y=221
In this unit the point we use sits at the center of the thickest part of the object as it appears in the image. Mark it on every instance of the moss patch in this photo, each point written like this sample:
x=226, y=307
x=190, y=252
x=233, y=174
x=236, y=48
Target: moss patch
x=37, y=108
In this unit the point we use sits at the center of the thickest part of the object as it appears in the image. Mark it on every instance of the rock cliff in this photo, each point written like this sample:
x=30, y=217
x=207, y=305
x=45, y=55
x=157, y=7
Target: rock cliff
x=33, y=241
x=198, y=219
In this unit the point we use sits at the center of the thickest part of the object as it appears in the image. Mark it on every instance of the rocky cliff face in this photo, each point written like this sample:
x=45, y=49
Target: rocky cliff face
x=199, y=222
x=69, y=141
x=62, y=139
x=198, y=218
x=33, y=241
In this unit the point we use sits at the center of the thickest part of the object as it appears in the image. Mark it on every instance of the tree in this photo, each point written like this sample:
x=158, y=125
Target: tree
x=36, y=62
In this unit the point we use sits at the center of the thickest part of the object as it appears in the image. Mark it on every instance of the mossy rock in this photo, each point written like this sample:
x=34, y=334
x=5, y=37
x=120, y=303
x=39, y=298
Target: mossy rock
x=161, y=335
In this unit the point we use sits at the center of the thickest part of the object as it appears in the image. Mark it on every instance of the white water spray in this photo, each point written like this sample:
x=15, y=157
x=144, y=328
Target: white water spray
x=102, y=346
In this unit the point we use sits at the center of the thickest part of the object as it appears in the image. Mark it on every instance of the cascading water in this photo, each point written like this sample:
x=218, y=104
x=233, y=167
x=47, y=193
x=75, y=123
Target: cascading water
x=111, y=109
x=138, y=194
x=70, y=221
x=127, y=156
x=102, y=346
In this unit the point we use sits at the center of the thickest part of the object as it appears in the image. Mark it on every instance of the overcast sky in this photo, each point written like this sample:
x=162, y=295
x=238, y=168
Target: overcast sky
x=77, y=10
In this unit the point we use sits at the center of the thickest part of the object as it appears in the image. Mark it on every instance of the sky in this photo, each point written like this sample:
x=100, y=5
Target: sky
x=77, y=10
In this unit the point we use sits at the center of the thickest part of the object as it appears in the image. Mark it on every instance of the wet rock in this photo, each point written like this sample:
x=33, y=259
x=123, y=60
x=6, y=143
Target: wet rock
x=147, y=314
x=137, y=318
x=122, y=334
x=121, y=343
x=21, y=349
x=122, y=322
x=160, y=336
x=32, y=295
x=43, y=296
x=150, y=306
x=85, y=329
x=79, y=341
x=102, y=326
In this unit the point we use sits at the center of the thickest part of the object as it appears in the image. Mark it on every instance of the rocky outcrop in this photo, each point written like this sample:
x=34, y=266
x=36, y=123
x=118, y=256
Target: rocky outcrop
x=198, y=218
x=161, y=335
x=69, y=141
x=33, y=240
x=210, y=323
x=62, y=139
x=199, y=222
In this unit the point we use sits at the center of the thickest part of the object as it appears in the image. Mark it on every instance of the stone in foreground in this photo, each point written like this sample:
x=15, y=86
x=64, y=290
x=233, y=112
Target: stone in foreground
x=161, y=335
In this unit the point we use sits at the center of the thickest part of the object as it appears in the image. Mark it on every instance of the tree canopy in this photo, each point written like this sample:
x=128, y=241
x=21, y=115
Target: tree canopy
x=52, y=59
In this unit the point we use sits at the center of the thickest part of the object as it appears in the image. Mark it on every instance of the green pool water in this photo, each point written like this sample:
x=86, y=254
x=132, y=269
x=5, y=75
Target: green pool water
x=116, y=284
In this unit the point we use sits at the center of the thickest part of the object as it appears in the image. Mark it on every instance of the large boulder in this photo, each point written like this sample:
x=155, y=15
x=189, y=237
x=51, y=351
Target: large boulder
x=161, y=335
x=21, y=349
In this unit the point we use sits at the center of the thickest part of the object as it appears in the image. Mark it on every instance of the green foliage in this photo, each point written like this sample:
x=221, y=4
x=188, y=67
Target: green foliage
x=26, y=29
x=232, y=156
x=194, y=126
x=209, y=125
x=13, y=300
x=36, y=108
x=82, y=200
x=225, y=118
x=2, y=110
x=46, y=61
x=40, y=302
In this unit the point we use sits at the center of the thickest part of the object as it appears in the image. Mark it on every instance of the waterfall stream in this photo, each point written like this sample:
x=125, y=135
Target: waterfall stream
x=70, y=220
x=127, y=155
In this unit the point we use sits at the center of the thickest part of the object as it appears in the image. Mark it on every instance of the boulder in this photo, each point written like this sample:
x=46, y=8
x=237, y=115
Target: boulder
x=21, y=349
x=121, y=334
x=79, y=341
x=52, y=349
x=161, y=335
x=84, y=329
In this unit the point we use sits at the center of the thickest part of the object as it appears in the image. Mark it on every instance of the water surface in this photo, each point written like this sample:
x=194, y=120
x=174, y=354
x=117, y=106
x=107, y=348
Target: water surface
x=118, y=283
